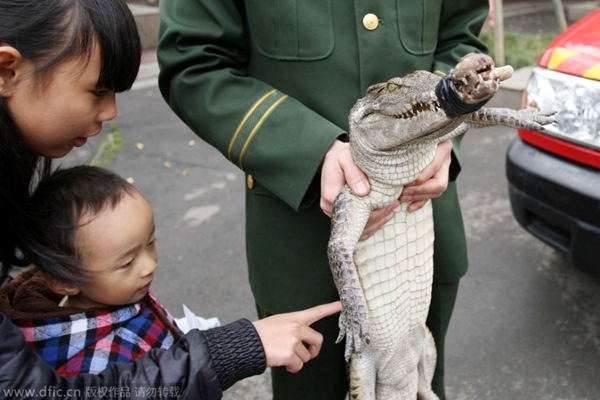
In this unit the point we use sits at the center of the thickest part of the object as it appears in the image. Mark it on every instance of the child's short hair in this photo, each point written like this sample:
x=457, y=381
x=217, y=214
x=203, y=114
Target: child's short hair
x=63, y=199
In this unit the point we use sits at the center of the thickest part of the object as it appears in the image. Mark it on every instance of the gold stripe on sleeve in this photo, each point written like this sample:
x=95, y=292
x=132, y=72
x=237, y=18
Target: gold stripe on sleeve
x=258, y=124
x=238, y=130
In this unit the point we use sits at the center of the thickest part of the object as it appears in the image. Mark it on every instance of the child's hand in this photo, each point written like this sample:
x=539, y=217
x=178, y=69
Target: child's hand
x=287, y=338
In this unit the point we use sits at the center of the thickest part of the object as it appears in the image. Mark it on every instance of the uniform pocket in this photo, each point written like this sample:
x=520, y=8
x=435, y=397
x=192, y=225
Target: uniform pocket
x=418, y=24
x=296, y=30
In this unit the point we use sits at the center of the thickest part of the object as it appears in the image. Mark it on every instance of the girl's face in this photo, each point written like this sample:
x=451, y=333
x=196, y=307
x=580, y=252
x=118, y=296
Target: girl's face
x=56, y=116
x=117, y=247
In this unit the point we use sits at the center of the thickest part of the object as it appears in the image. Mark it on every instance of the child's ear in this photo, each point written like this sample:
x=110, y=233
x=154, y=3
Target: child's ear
x=11, y=62
x=61, y=288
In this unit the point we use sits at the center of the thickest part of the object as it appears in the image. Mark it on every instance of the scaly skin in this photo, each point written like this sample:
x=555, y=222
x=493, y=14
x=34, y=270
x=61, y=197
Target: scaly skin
x=384, y=282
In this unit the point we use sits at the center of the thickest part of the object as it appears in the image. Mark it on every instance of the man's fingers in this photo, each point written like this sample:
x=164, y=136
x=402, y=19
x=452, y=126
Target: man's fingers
x=326, y=206
x=332, y=175
x=356, y=179
x=432, y=182
x=374, y=225
x=377, y=219
x=338, y=169
x=312, y=315
x=415, y=205
x=440, y=163
x=358, y=182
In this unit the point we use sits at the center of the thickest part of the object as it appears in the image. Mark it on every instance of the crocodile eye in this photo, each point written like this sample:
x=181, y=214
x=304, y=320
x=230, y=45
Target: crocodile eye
x=392, y=86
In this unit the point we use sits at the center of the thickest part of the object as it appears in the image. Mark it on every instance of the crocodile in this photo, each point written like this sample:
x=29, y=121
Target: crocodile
x=384, y=282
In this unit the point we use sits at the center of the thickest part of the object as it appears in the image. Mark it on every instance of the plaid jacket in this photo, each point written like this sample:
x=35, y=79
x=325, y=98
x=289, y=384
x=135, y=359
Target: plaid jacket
x=75, y=340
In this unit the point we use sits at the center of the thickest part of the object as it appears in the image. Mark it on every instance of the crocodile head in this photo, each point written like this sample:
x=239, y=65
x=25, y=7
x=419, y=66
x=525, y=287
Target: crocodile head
x=407, y=109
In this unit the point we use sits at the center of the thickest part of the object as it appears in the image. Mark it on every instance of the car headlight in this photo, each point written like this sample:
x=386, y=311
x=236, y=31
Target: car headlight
x=576, y=100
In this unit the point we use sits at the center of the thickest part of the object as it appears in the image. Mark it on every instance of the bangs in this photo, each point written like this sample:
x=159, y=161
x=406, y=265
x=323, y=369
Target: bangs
x=53, y=31
x=110, y=25
x=120, y=46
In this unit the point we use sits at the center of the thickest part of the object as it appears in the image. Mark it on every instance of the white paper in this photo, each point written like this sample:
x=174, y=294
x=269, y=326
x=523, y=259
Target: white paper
x=192, y=321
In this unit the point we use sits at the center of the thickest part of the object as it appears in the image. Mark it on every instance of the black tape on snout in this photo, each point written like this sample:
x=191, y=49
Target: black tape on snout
x=451, y=103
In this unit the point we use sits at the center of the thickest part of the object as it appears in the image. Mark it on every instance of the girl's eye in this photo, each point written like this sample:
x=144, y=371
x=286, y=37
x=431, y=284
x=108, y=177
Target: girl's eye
x=129, y=264
x=100, y=93
x=152, y=242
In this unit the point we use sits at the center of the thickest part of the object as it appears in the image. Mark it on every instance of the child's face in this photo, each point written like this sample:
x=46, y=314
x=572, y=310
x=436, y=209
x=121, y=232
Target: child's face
x=117, y=246
x=62, y=114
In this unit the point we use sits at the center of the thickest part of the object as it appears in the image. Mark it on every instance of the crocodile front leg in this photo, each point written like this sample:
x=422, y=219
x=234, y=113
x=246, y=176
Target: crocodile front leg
x=348, y=220
x=519, y=119
x=495, y=116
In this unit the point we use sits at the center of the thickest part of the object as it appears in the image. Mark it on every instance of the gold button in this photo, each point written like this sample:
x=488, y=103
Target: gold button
x=370, y=21
x=250, y=182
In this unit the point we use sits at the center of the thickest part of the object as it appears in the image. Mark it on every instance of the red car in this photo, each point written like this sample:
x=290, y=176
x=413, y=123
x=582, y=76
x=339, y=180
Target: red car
x=554, y=176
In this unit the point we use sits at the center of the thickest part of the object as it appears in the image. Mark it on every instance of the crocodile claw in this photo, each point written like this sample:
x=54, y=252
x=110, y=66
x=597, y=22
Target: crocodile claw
x=533, y=119
x=355, y=326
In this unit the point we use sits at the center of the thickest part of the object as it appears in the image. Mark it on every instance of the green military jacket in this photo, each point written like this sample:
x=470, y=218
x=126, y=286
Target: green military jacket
x=270, y=83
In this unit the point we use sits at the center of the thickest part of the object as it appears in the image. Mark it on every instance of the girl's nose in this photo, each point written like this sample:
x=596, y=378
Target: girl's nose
x=109, y=107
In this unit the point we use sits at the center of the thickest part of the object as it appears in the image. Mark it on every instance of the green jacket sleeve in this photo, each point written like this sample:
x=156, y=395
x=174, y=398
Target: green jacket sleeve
x=202, y=54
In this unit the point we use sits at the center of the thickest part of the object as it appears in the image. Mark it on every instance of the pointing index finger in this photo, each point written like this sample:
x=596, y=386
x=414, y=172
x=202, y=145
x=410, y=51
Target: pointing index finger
x=312, y=315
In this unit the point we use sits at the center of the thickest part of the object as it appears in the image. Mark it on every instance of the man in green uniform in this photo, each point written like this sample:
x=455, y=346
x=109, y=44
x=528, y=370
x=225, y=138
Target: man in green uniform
x=270, y=85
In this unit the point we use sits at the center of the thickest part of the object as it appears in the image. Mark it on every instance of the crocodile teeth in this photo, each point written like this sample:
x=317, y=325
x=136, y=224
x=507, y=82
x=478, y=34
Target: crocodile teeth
x=417, y=109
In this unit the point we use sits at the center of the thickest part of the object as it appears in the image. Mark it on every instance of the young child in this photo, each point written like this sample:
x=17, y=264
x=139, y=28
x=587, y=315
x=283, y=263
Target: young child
x=104, y=223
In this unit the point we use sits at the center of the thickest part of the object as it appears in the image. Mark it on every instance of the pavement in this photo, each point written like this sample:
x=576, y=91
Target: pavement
x=526, y=326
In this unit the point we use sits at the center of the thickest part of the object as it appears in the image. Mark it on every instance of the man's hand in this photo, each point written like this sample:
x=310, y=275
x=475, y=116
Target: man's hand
x=287, y=338
x=432, y=181
x=337, y=170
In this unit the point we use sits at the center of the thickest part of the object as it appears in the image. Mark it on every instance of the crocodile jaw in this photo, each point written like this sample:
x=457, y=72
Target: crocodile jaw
x=406, y=109
x=398, y=111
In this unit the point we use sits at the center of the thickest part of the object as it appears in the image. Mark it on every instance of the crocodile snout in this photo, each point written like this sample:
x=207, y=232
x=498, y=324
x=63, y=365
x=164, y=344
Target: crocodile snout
x=476, y=79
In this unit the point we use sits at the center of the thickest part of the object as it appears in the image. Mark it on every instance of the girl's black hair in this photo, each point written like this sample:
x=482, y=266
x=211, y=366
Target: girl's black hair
x=66, y=200
x=46, y=33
